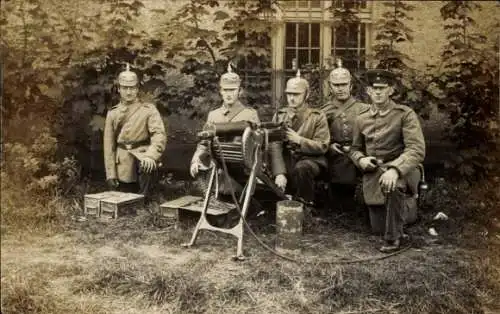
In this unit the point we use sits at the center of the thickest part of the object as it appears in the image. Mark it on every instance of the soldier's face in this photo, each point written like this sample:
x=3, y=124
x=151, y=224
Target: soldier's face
x=341, y=91
x=296, y=100
x=380, y=93
x=229, y=95
x=128, y=94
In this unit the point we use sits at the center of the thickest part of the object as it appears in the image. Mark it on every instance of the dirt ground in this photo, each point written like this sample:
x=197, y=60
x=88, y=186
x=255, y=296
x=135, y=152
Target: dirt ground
x=137, y=265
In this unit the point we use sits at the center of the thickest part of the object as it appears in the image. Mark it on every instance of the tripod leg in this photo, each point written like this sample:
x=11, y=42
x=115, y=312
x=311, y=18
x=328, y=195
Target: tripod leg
x=205, y=208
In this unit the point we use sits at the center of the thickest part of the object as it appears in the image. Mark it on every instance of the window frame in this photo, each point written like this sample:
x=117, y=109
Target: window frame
x=324, y=17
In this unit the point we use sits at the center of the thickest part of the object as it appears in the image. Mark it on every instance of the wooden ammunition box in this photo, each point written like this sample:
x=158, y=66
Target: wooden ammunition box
x=185, y=211
x=120, y=205
x=92, y=202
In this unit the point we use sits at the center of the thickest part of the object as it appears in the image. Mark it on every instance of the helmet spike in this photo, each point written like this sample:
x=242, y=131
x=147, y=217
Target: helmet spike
x=339, y=62
x=298, y=73
x=229, y=68
x=128, y=66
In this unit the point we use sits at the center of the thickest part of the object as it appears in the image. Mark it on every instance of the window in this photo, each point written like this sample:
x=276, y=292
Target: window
x=301, y=4
x=350, y=4
x=349, y=44
x=305, y=33
x=302, y=45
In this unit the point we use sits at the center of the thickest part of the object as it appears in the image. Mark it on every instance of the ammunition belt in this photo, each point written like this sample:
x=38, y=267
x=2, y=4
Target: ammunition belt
x=132, y=145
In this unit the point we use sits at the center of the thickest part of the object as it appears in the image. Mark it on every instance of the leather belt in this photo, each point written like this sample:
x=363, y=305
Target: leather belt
x=132, y=145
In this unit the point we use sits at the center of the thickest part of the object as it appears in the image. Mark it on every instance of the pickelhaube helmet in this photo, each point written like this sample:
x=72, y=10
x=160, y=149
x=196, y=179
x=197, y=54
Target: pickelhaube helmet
x=128, y=78
x=340, y=75
x=297, y=85
x=230, y=80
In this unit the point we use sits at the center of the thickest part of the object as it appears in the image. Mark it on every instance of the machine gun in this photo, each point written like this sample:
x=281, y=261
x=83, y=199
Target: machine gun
x=243, y=148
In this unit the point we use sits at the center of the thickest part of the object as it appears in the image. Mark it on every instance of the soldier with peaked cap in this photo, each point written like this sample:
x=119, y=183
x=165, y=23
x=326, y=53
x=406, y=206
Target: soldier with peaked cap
x=388, y=146
x=231, y=110
x=341, y=111
x=134, y=140
x=302, y=158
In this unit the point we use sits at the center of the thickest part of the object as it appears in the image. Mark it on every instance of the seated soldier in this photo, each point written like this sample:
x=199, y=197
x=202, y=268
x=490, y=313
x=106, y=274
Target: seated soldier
x=388, y=146
x=341, y=111
x=301, y=158
x=134, y=140
x=232, y=110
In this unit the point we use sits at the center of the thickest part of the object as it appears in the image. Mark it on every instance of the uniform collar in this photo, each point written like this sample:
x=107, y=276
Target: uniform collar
x=374, y=110
x=123, y=108
x=236, y=106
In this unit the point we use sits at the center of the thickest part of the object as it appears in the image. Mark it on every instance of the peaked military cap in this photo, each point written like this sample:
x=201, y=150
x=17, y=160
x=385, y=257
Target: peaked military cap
x=297, y=85
x=340, y=75
x=380, y=76
x=230, y=80
x=128, y=78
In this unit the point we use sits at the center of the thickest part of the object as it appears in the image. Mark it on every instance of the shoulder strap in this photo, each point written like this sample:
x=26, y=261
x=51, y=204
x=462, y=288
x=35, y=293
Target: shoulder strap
x=125, y=119
x=232, y=115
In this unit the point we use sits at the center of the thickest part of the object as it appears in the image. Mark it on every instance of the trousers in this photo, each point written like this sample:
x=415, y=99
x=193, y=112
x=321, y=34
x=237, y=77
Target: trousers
x=388, y=219
x=302, y=176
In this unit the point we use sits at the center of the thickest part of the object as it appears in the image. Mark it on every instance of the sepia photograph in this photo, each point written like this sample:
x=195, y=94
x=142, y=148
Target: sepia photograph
x=250, y=156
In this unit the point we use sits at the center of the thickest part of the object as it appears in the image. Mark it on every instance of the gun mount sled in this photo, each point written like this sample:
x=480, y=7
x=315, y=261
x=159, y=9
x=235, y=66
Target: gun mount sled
x=240, y=151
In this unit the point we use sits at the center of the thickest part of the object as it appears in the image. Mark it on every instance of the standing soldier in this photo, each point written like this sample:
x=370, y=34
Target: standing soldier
x=307, y=141
x=341, y=111
x=388, y=146
x=232, y=110
x=134, y=140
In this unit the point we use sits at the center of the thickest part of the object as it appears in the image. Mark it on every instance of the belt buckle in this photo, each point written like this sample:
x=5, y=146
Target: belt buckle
x=128, y=146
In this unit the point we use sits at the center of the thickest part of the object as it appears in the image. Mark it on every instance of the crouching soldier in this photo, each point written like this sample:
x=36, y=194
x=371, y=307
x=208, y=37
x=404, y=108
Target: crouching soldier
x=341, y=111
x=301, y=158
x=134, y=140
x=388, y=146
x=231, y=110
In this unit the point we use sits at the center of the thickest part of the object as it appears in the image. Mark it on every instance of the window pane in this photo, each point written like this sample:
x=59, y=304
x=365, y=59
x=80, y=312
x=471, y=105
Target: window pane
x=315, y=32
x=288, y=3
x=363, y=35
x=346, y=36
x=303, y=4
x=303, y=35
x=303, y=58
x=316, y=4
x=315, y=56
x=290, y=34
x=289, y=56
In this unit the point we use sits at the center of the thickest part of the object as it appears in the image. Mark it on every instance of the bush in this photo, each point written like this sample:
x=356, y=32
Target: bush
x=34, y=179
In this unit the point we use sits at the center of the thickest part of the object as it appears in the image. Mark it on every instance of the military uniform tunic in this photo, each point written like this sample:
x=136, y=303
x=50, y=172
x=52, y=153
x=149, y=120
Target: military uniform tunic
x=223, y=114
x=341, y=117
x=395, y=137
x=304, y=161
x=132, y=131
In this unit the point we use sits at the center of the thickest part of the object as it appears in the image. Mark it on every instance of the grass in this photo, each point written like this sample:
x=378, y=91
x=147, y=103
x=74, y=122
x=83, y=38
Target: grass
x=136, y=265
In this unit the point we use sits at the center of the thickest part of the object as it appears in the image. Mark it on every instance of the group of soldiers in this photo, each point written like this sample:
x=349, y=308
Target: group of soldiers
x=345, y=139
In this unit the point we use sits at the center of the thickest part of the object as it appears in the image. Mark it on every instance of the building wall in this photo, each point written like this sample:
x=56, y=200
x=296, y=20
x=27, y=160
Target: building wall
x=429, y=36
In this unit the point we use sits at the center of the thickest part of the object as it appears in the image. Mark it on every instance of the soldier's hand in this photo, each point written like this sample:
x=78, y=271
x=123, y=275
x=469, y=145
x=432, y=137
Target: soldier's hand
x=337, y=148
x=293, y=136
x=193, y=170
x=388, y=180
x=113, y=183
x=368, y=163
x=281, y=181
x=148, y=164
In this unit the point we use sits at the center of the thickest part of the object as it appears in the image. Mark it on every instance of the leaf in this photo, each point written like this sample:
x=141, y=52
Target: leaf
x=97, y=123
x=221, y=15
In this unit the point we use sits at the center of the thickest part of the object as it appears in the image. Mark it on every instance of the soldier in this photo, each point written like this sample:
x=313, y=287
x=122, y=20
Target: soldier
x=308, y=138
x=134, y=140
x=341, y=111
x=232, y=110
x=388, y=145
